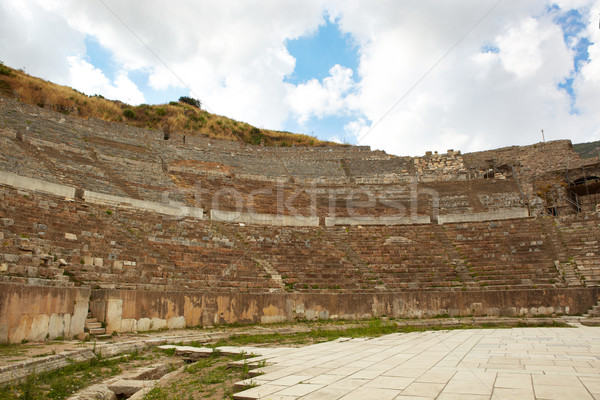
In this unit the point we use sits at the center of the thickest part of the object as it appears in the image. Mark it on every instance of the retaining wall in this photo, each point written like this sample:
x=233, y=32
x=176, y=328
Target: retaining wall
x=127, y=311
x=40, y=312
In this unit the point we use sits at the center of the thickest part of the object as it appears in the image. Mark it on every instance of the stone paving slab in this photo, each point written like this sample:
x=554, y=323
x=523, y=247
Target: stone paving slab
x=490, y=364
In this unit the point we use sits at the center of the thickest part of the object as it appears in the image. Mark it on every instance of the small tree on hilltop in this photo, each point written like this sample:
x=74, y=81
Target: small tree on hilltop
x=191, y=101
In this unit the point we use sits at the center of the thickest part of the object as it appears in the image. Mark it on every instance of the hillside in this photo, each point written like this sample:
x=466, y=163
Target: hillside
x=174, y=117
x=587, y=150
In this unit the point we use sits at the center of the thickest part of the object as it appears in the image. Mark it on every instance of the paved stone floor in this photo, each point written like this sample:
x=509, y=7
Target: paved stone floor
x=498, y=364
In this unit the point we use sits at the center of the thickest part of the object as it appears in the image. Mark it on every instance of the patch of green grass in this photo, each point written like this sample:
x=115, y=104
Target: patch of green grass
x=62, y=383
x=157, y=394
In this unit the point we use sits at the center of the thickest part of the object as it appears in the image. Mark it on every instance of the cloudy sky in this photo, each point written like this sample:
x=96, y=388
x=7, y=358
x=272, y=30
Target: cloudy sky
x=401, y=76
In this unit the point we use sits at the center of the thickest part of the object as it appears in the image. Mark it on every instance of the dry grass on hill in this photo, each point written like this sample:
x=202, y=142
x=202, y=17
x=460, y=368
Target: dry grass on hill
x=177, y=117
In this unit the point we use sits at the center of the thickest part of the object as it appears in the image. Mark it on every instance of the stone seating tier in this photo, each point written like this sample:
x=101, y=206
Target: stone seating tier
x=47, y=240
x=126, y=161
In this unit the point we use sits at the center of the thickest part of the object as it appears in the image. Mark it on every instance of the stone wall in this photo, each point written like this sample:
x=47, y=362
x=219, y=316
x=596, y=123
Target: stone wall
x=129, y=311
x=38, y=313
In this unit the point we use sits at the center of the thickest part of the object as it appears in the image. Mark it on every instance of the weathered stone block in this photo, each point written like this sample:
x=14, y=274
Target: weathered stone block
x=98, y=262
x=7, y=221
x=39, y=327
x=70, y=236
x=176, y=322
x=11, y=258
x=128, y=325
x=158, y=323
x=143, y=324
x=127, y=387
x=114, y=315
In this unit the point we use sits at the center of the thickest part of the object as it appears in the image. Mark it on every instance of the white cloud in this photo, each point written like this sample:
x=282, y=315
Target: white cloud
x=233, y=57
x=471, y=100
x=91, y=80
x=587, y=85
x=316, y=99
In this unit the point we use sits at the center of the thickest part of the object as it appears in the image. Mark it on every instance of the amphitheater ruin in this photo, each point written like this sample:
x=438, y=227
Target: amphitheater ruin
x=115, y=223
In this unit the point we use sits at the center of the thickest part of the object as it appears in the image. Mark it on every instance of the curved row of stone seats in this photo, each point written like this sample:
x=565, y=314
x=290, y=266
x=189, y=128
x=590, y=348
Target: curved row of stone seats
x=581, y=249
x=120, y=249
x=308, y=260
x=403, y=259
x=107, y=150
x=107, y=248
x=503, y=254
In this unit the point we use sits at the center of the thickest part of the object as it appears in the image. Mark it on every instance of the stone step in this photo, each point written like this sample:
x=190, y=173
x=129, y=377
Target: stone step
x=93, y=325
x=97, y=331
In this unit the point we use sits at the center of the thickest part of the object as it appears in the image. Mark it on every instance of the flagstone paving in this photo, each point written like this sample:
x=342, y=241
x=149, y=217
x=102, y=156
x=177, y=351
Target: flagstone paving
x=490, y=364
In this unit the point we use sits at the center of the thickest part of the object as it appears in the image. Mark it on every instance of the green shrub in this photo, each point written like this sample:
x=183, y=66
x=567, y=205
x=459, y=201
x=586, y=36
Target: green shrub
x=128, y=113
x=161, y=112
x=4, y=70
x=256, y=136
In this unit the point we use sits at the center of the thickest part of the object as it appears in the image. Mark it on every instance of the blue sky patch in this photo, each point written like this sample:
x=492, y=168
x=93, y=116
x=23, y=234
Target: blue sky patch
x=490, y=48
x=100, y=57
x=317, y=53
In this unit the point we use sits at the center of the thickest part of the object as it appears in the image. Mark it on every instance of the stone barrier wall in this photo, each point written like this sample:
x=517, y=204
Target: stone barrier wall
x=129, y=311
x=39, y=312
x=263, y=219
x=22, y=182
x=484, y=216
x=175, y=210
x=359, y=220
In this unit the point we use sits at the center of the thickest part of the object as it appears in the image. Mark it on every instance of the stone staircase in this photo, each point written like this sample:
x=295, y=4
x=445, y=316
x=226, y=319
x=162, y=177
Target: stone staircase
x=593, y=312
x=95, y=328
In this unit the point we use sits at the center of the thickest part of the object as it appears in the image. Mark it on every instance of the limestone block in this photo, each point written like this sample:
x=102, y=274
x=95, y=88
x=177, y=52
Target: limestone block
x=7, y=221
x=144, y=324
x=87, y=260
x=98, y=262
x=11, y=258
x=114, y=315
x=128, y=387
x=39, y=328
x=118, y=265
x=70, y=236
x=1, y=235
x=19, y=333
x=158, y=323
x=59, y=325
x=62, y=262
x=3, y=267
x=271, y=319
x=4, y=331
x=78, y=318
x=176, y=322
x=128, y=325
